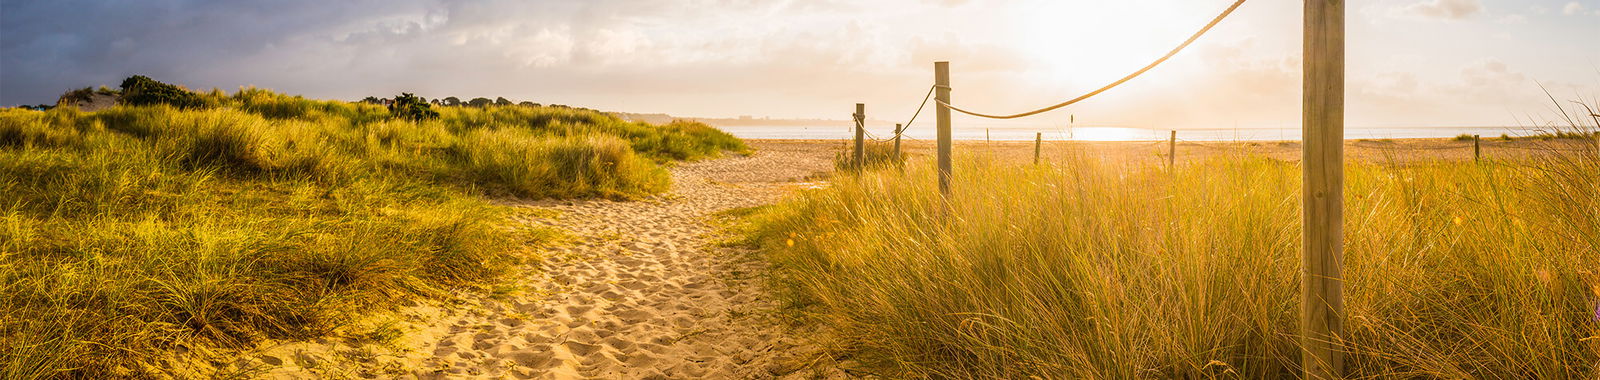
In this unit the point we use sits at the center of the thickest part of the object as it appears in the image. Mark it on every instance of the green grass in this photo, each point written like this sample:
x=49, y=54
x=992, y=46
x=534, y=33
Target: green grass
x=134, y=233
x=1085, y=268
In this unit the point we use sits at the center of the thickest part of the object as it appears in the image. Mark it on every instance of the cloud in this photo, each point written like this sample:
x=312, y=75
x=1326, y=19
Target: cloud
x=1573, y=8
x=1442, y=9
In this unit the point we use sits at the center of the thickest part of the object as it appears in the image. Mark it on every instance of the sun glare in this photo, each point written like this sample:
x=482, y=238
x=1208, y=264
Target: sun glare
x=1107, y=134
x=1077, y=44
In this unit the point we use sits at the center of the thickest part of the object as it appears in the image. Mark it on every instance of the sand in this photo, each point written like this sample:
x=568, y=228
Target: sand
x=641, y=290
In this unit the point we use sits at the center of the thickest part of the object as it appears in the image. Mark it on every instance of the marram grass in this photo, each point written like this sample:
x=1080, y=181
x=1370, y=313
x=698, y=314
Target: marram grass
x=132, y=234
x=1089, y=269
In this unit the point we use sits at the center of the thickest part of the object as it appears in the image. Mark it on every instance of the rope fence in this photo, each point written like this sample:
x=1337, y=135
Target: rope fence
x=1119, y=82
x=1322, y=148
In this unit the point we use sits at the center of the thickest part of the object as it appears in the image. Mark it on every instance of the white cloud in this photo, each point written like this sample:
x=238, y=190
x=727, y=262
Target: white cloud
x=1572, y=8
x=1442, y=9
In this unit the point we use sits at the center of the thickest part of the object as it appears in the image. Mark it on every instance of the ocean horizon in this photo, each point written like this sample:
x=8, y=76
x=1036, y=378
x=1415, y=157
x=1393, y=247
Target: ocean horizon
x=1091, y=133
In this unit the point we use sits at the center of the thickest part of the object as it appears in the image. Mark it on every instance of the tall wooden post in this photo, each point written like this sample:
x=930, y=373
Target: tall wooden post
x=1477, y=149
x=1322, y=278
x=1172, y=150
x=941, y=83
x=1038, y=140
x=861, y=135
x=898, y=130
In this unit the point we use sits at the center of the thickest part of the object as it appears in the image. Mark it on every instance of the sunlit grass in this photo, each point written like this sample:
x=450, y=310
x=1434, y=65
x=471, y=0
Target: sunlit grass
x=133, y=233
x=1085, y=268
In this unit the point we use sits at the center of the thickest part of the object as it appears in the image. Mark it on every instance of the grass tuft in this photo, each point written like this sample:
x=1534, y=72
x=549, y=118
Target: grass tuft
x=130, y=234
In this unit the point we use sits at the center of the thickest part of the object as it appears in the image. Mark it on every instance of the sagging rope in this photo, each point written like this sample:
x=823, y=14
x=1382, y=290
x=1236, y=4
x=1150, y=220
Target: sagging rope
x=1119, y=82
x=861, y=120
x=919, y=111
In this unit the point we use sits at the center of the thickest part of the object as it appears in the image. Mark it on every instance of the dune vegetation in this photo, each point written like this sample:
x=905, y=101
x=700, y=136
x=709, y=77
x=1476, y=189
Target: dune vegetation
x=1089, y=268
x=198, y=221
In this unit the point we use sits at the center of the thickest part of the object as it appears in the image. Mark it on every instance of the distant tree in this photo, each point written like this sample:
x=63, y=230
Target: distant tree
x=480, y=102
x=140, y=90
x=501, y=101
x=452, y=101
x=436, y=102
x=372, y=100
x=528, y=104
x=411, y=107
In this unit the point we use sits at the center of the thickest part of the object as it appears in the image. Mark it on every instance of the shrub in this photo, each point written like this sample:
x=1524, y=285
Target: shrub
x=139, y=90
x=411, y=107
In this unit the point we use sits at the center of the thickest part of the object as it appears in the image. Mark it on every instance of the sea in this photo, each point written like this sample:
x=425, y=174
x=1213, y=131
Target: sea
x=1102, y=133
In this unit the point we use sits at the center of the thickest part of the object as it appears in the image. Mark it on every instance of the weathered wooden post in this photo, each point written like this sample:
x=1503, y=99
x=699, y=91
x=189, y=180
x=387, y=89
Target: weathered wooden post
x=898, y=130
x=1322, y=260
x=941, y=83
x=861, y=135
x=1172, y=150
x=986, y=135
x=1038, y=139
x=1477, y=150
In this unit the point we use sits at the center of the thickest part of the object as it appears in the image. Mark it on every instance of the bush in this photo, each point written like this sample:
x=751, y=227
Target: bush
x=139, y=90
x=411, y=107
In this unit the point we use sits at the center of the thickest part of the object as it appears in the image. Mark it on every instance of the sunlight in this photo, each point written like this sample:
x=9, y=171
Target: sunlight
x=1078, y=44
x=1107, y=134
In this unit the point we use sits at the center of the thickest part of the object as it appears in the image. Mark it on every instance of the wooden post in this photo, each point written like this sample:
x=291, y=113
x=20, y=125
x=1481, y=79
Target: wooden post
x=1038, y=139
x=1172, y=150
x=1322, y=278
x=898, y=130
x=941, y=83
x=861, y=135
x=1477, y=150
x=986, y=135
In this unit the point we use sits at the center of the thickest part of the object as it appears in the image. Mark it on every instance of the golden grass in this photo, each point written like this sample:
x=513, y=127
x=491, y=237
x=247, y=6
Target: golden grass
x=1086, y=268
x=133, y=233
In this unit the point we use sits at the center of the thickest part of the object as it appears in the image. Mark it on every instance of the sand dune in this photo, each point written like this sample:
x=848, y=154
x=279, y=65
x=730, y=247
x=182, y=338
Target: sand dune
x=640, y=292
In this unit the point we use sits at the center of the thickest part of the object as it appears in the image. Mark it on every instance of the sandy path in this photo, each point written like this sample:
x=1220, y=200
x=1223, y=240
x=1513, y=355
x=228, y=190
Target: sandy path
x=642, y=292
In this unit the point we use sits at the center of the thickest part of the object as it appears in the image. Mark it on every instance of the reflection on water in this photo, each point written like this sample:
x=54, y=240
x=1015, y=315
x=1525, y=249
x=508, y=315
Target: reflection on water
x=1013, y=133
x=1107, y=134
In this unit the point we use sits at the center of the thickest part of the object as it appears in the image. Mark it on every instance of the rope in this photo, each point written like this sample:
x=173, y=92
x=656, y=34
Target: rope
x=861, y=120
x=925, y=98
x=1119, y=82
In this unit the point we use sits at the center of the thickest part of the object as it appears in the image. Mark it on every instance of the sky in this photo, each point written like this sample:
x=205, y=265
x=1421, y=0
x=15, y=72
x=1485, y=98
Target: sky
x=1410, y=62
